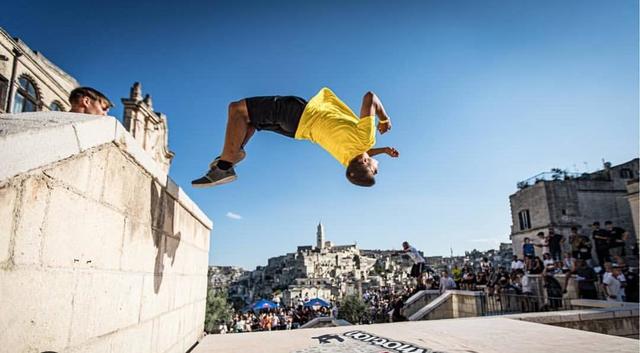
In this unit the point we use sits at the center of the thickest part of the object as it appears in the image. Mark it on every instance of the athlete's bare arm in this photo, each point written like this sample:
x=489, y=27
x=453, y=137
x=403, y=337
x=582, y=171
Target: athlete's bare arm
x=371, y=105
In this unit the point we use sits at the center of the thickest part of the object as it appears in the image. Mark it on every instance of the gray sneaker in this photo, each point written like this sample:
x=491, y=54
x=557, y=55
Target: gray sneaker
x=215, y=176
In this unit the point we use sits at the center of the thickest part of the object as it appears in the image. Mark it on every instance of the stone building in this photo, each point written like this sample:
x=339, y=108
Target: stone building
x=28, y=81
x=632, y=196
x=325, y=270
x=560, y=200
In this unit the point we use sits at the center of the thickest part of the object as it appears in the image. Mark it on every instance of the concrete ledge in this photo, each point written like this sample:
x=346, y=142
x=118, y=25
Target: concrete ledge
x=325, y=322
x=431, y=306
x=33, y=140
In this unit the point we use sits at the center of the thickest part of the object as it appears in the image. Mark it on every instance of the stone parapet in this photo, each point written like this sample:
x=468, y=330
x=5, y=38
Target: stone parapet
x=98, y=247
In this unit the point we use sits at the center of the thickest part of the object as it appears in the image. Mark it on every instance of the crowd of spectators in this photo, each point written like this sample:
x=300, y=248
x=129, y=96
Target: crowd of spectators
x=614, y=280
x=281, y=318
x=605, y=276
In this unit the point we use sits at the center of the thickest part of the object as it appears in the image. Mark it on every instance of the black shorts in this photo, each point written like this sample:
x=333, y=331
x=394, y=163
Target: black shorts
x=280, y=114
x=418, y=269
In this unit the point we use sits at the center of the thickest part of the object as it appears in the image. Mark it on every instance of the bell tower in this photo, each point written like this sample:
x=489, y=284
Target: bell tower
x=320, y=237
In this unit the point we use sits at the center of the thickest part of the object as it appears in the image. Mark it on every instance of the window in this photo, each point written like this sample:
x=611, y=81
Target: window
x=525, y=219
x=4, y=88
x=26, y=99
x=626, y=173
x=55, y=106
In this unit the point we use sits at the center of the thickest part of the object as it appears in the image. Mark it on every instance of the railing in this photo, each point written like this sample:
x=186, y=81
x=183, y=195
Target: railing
x=507, y=303
x=549, y=176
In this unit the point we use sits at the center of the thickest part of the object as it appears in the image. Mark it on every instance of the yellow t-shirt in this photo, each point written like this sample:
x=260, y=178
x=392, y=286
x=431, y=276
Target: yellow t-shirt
x=327, y=121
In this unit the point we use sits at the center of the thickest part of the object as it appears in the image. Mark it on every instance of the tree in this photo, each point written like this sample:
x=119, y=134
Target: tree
x=218, y=310
x=353, y=309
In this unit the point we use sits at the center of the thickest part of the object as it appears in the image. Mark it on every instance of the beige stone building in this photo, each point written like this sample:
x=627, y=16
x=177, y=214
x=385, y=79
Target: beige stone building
x=29, y=82
x=560, y=201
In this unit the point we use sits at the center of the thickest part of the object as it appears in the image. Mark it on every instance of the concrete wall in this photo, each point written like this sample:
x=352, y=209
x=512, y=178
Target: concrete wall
x=621, y=319
x=418, y=301
x=99, y=251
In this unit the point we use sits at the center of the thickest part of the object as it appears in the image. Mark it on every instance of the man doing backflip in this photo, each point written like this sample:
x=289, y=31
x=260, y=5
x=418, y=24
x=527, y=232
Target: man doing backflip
x=324, y=120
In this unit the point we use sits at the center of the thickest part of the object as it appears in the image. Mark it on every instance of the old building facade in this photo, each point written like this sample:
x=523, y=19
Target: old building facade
x=560, y=201
x=29, y=82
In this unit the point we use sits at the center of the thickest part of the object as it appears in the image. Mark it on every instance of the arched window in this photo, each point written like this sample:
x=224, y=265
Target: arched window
x=55, y=106
x=26, y=99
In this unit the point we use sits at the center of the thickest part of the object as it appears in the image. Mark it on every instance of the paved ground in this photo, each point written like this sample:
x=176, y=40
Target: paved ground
x=475, y=335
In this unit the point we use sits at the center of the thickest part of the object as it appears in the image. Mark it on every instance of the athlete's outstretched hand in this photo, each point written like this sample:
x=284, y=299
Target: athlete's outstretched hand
x=384, y=125
x=391, y=152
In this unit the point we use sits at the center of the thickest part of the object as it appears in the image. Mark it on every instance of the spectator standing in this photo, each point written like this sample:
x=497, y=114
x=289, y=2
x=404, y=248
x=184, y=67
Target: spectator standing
x=544, y=242
x=601, y=239
x=631, y=290
x=617, y=241
x=584, y=247
x=586, y=278
x=529, y=252
x=485, y=265
x=517, y=264
x=612, y=286
x=555, y=244
x=446, y=282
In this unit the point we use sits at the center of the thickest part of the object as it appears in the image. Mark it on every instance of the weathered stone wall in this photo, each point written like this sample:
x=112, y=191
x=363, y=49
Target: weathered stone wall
x=99, y=252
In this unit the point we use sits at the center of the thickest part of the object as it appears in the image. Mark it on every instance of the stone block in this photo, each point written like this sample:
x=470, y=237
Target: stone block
x=134, y=340
x=158, y=292
x=36, y=309
x=596, y=314
x=190, y=206
x=85, y=172
x=167, y=331
x=95, y=132
x=74, y=172
x=622, y=313
x=28, y=236
x=8, y=196
x=142, y=247
x=133, y=148
x=128, y=188
x=30, y=149
x=81, y=233
x=103, y=303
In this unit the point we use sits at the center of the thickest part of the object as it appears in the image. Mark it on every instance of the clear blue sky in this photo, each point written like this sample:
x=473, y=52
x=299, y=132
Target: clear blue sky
x=482, y=94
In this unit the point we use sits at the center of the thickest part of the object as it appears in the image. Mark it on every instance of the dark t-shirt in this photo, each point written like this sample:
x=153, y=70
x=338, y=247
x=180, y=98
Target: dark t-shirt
x=615, y=237
x=554, y=241
x=600, y=243
x=587, y=278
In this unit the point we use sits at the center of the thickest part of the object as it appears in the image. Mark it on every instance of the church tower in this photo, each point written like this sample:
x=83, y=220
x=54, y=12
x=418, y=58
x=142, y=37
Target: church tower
x=320, y=237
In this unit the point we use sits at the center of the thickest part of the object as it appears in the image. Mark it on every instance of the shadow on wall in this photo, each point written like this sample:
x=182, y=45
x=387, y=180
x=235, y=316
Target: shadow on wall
x=162, y=226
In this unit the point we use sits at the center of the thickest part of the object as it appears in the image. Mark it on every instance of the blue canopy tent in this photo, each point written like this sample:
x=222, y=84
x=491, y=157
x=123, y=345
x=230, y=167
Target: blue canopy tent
x=264, y=304
x=317, y=302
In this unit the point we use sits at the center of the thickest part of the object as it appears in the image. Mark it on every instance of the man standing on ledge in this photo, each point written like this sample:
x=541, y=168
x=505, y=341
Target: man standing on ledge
x=89, y=101
x=324, y=120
